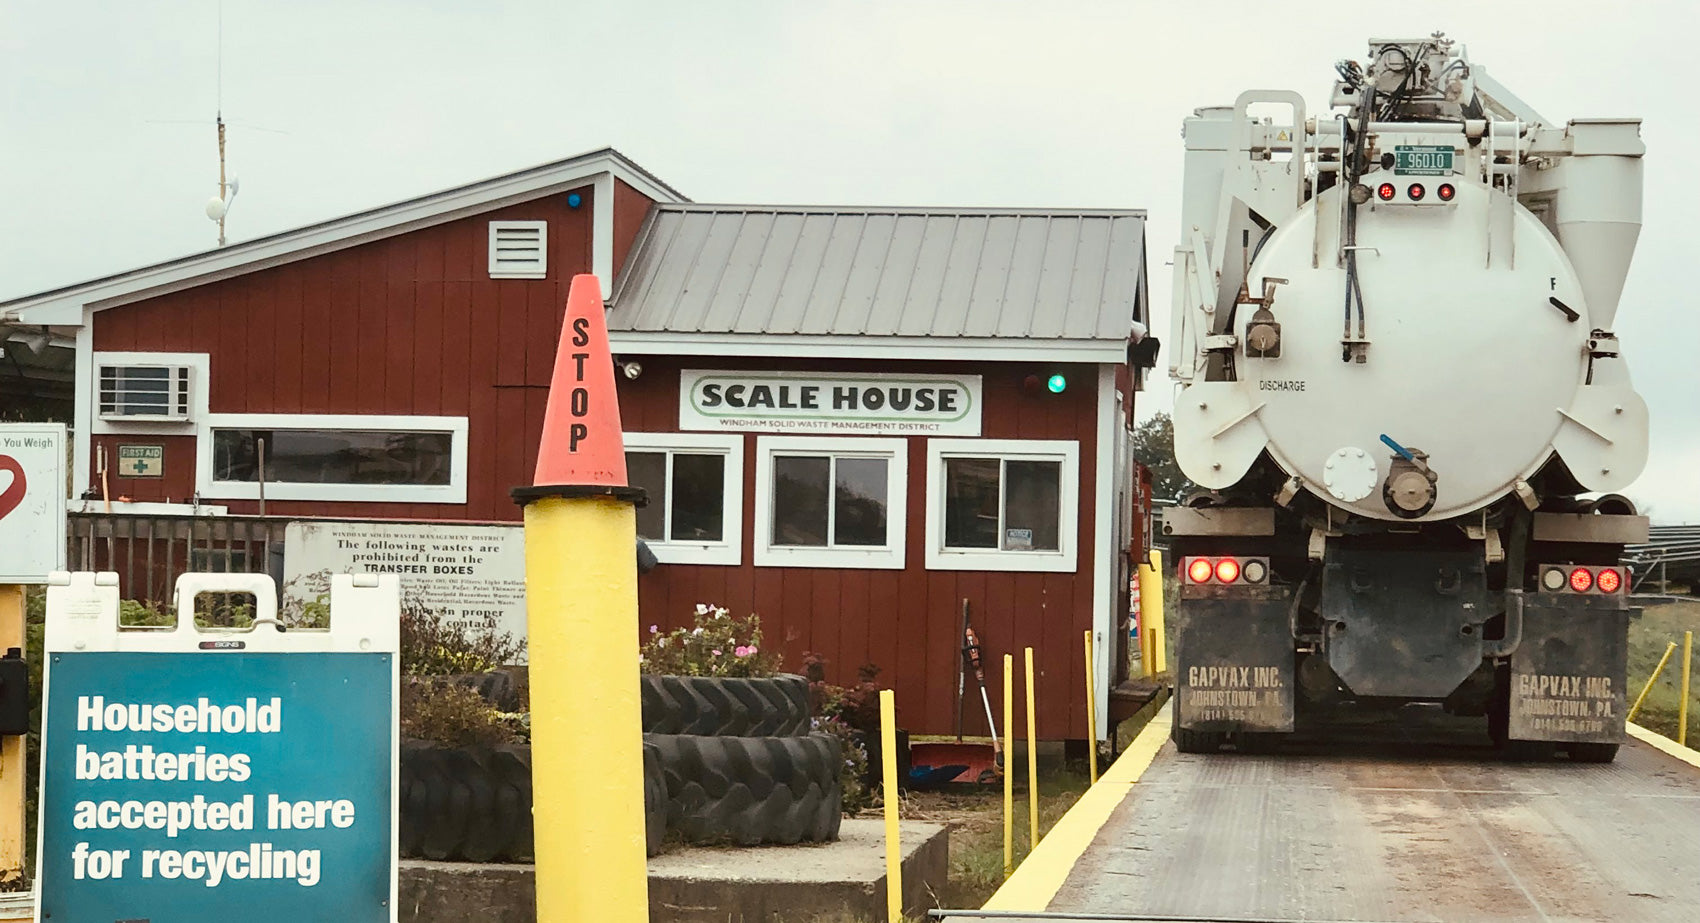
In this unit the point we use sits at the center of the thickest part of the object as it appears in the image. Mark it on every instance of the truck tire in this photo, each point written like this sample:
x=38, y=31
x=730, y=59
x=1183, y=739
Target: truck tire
x=726, y=706
x=1198, y=741
x=1592, y=752
x=462, y=804
x=750, y=790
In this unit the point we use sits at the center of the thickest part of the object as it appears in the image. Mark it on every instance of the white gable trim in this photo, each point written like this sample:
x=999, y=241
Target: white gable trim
x=65, y=306
x=984, y=349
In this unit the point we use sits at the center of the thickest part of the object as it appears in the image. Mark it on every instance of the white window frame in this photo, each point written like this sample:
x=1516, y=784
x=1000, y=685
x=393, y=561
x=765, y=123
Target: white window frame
x=539, y=270
x=199, y=381
x=886, y=557
x=1063, y=560
x=730, y=549
x=452, y=492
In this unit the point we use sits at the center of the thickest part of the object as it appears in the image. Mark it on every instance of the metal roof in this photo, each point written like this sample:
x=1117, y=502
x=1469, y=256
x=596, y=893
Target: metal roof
x=958, y=273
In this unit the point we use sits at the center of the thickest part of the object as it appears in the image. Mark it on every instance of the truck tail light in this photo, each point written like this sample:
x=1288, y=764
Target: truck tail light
x=1416, y=192
x=1227, y=570
x=1581, y=579
x=1609, y=580
x=1199, y=570
x=1446, y=192
x=1385, y=191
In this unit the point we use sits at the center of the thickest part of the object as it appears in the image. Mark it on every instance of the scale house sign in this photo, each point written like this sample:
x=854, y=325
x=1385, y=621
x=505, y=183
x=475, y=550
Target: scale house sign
x=892, y=404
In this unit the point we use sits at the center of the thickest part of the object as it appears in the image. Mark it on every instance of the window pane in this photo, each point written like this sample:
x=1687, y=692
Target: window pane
x=971, y=503
x=309, y=456
x=859, y=496
x=699, y=502
x=1032, y=505
x=800, y=486
x=649, y=471
x=135, y=389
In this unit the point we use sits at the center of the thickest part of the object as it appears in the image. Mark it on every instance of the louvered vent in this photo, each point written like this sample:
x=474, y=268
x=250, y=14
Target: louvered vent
x=146, y=393
x=519, y=249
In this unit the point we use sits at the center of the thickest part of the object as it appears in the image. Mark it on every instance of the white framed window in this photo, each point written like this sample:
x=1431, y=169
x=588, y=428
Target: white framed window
x=1002, y=504
x=149, y=393
x=519, y=249
x=830, y=502
x=695, y=483
x=376, y=459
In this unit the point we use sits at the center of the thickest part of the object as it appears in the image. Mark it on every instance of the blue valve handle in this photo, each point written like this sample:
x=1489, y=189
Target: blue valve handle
x=1403, y=452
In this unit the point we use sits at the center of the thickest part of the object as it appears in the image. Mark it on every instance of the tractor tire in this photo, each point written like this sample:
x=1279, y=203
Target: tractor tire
x=464, y=804
x=751, y=790
x=654, y=800
x=726, y=706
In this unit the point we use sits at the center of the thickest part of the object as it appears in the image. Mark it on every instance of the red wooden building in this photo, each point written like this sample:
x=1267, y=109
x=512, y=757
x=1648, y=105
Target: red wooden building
x=850, y=421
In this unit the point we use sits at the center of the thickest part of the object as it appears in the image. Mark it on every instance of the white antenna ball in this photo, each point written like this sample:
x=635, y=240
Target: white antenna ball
x=215, y=208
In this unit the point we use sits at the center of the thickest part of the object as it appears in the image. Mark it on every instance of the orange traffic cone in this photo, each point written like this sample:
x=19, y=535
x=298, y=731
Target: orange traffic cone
x=582, y=445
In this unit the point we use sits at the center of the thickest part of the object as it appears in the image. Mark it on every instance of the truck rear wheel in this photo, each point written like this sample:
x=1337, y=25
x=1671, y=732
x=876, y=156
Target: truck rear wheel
x=1198, y=741
x=1592, y=752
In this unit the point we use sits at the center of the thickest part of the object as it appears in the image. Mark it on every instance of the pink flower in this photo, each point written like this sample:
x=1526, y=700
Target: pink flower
x=751, y=649
x=742, y=651
x=653, y=629
x=715, y=652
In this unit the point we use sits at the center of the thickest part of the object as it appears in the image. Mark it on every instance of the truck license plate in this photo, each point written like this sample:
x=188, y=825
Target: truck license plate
x=1422, y=160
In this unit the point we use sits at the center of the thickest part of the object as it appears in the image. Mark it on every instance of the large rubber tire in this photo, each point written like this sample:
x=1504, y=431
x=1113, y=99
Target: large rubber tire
x=726, y=706
x=654, y=800
x=750, y=790
x=464, y=804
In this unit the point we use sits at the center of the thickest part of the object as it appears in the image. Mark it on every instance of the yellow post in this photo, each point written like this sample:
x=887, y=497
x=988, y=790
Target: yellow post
x=12, y=768
x=893, y=847
x=1008, y=770
x=1091, y=715
x=1682, y=707
x=582, y=631
x=1153, y=612
x=1032, y=764
x=1636, y=708
x=1147, y=578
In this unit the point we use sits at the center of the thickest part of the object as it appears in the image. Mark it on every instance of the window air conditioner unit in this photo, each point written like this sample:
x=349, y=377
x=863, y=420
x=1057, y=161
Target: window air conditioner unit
x=146, y=393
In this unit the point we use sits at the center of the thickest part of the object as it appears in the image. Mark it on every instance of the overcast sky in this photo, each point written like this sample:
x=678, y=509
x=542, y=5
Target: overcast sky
x=109, y=150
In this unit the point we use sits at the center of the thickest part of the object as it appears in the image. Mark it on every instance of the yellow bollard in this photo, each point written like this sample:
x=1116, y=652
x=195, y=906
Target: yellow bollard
x=581, y=629
x=1008, y=770
x=1091, y=715
x=1032, y=764
x=1153, y=613
x=1147, y=578
x=893, y=845
x=13, y=769
x=1682, y=707
x=1636, y=708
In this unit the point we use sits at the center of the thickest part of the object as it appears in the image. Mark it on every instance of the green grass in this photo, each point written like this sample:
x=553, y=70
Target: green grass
x=1648, y=636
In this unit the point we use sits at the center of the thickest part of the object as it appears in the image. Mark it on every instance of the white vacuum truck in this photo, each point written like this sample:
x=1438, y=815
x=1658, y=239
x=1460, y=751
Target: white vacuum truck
x=1397, y=381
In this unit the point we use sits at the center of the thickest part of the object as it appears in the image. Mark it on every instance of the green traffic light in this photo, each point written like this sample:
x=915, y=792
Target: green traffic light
x=1057, y=383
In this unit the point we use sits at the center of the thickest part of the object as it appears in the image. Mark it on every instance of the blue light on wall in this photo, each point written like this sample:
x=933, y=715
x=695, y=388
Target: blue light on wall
x=575, y=200
x=1057, y=383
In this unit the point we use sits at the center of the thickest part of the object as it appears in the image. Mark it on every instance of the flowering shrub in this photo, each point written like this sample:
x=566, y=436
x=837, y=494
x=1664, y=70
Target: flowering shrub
x=717, y=644
x=854, y=770
x=857, y=706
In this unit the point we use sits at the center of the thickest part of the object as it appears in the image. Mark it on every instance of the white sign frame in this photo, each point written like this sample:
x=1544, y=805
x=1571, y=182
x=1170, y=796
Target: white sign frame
x=797, y=410
x=33, y=531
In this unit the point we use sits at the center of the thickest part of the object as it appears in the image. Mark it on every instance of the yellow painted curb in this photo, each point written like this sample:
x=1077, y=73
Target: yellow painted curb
x=1687, y=754
x=1041, y=876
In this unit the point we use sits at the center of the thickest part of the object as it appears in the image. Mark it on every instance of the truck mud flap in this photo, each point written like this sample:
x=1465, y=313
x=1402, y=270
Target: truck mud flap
x=1234, y=660
x=1568, y=673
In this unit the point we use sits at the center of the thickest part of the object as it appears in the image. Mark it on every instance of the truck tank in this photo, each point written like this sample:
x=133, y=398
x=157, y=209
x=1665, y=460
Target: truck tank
x=1397, y=381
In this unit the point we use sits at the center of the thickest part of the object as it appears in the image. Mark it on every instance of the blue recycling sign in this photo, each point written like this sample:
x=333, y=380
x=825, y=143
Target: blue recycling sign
x=218, y=783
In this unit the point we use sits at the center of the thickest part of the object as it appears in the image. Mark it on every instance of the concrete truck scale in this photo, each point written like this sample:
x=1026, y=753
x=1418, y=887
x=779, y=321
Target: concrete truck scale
x=1397, y=389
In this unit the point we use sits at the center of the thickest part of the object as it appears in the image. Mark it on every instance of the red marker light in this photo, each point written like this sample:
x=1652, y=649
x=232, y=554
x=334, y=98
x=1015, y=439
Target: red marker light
x=1199, y=570
x=1385, y=190
x=1581, y=579
x=1227, y=570
x=1610, y=581
x=1446, y=192
x=1416, y=192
